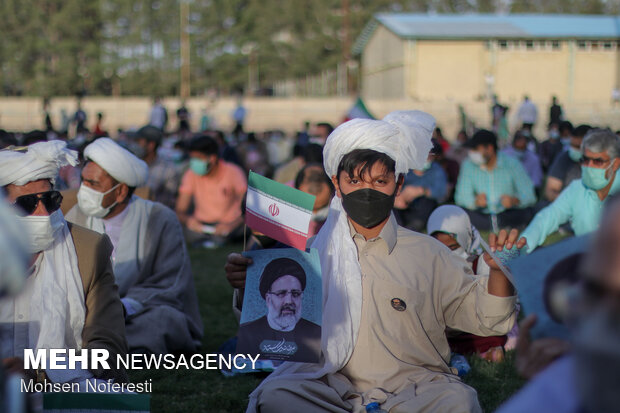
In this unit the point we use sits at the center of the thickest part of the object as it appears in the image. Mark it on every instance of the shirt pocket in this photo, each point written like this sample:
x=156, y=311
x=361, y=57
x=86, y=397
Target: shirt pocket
x=405, y=320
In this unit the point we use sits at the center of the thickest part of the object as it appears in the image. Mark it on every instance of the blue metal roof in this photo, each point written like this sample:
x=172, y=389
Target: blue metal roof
x=493, y=26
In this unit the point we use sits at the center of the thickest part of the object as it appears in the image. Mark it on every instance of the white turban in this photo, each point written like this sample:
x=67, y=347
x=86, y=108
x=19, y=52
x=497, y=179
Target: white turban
x=405, y=136
x=42, y=160
x=117, y=161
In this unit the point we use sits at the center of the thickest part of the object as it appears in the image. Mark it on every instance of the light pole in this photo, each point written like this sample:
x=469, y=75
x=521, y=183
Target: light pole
x=185, y=51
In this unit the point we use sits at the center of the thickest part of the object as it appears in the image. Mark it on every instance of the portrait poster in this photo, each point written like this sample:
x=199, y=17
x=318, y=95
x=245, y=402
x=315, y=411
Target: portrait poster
x=282, y=306
x=530, y=273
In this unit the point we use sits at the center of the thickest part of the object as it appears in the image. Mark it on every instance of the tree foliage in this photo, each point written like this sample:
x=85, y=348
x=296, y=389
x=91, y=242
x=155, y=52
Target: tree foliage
x=132, y=47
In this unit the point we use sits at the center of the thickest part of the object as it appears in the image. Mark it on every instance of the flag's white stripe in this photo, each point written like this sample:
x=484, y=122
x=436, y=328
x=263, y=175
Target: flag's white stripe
x=267, y=194
x=294, y=218
x=277, y=224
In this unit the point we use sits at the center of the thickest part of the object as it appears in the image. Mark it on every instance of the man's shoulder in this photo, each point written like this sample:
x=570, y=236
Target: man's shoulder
x=231, y=168
x=533, y=156
x=407, y=238
x=308, y=326
x=510, y=163
x=437, y=169
x=257, y=324
x=560, y=164
x=161, y=211
x=90, y=248
x=467, y=168
x=160, y=218
x=576, y=187
x=84, y=235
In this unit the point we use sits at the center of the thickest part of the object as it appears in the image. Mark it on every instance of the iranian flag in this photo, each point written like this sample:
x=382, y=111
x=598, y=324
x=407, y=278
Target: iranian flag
x=278, y=211
x=358, y=111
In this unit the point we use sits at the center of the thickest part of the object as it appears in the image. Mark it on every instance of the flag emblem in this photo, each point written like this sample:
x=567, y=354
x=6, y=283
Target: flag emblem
x=274, y=210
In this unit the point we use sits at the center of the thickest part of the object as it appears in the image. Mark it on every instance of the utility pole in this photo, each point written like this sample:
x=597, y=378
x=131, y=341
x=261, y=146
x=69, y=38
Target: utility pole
x=346, y=44
x=185, y=55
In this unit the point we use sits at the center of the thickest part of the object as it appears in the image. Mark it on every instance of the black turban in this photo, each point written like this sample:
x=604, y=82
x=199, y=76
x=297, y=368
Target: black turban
x=279, y=268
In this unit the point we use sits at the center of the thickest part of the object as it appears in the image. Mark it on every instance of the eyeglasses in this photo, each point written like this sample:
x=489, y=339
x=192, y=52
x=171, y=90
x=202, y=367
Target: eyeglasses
x=28, y=203
x=282, y=293
x=585, y=160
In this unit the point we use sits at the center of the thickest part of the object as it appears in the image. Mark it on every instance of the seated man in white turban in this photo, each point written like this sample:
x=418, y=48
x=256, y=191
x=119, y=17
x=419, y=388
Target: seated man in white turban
x=69, y=300
x=388, y=293
x=151, y=263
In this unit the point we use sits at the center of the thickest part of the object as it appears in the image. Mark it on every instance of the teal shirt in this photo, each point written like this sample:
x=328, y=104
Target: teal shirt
x=507, y=178
x=576, y=204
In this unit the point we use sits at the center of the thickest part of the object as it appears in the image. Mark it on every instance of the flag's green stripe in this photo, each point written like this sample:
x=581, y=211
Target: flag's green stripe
x=124, y=402
x=281, y=191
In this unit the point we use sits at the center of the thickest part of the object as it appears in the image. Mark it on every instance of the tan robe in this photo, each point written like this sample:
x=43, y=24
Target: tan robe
x=104, y=325
x=401, y=358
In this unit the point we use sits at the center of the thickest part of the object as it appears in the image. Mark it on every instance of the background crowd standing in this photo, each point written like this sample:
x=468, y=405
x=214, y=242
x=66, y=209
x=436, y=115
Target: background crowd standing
x=491, y=180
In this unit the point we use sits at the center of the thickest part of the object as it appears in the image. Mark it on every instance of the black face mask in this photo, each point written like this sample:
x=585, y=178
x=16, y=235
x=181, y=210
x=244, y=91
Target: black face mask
x=368, y=207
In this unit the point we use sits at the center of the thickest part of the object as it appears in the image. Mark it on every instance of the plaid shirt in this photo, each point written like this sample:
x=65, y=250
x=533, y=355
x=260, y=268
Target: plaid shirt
x=507, y=178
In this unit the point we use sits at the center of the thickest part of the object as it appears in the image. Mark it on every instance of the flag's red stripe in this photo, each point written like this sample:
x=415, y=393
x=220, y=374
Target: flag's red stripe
x=274, y=222
x=287, y=237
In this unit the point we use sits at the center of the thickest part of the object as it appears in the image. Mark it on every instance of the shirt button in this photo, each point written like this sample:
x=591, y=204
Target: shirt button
x=20, y=316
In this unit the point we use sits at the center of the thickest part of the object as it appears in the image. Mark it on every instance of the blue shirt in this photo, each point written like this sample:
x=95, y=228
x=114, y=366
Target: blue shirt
x=553, y=390
x=576, y=204
x=507, y=178
x=434, y=179
x=530, y=161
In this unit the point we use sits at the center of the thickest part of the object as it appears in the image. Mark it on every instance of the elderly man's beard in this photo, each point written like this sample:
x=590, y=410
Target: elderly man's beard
x=285, y=319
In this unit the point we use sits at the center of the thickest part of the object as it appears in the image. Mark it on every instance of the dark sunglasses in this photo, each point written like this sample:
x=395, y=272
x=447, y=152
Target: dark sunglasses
x=28, y=203
x=585, y=160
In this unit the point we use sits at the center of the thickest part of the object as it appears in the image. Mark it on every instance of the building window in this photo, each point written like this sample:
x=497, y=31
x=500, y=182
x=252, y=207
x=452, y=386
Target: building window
x=529, y=44
x=582, y=45
x=556, y=45
x=503, y=44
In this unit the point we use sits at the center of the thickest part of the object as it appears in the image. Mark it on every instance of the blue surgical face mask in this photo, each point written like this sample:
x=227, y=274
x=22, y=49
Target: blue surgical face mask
x=199, y=166
x=574, y=154
x=554, y=134
x=594, y=178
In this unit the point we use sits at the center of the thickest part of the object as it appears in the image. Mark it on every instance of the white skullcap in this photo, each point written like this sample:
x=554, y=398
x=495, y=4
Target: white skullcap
x=452, y=219
x=42, y=160
x=117, y=161
x=405, y=136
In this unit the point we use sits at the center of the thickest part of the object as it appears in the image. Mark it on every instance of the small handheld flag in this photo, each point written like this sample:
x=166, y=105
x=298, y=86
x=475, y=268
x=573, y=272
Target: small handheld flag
x=278, y=211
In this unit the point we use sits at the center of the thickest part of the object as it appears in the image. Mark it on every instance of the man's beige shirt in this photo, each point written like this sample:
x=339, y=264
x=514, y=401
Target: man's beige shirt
x=395, y=349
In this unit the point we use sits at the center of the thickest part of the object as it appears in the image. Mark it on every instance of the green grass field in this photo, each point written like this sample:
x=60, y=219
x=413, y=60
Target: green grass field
x=209, y=391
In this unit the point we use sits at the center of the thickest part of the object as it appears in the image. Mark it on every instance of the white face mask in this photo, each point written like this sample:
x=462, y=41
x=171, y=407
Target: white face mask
x=476, y=157
x=43, y=229
x=90, y=200
x=460, y=251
